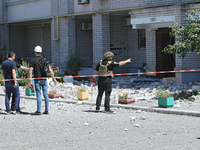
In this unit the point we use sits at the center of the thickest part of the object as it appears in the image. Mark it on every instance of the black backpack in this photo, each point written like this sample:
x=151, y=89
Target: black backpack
x=46, y=66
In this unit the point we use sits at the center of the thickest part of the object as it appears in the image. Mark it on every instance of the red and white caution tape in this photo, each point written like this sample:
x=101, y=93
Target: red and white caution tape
x=122, y=74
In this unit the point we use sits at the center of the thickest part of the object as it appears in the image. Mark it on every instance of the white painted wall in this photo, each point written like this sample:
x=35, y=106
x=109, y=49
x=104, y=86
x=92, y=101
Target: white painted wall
x=29, y=10
x=152, y=22
x=82, y=8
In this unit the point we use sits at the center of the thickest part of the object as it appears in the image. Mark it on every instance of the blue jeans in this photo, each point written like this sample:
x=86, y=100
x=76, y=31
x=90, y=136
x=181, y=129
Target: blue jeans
x=38, y=84
x=9, y=88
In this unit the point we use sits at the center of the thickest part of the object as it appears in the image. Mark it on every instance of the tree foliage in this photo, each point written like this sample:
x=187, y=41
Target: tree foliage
x=187, y=37
x=74, y=62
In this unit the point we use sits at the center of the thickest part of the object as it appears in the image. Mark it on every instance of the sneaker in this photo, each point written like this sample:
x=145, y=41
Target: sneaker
x=9, y=113
x=46, y=112
x=37, y=113
x=20, y=112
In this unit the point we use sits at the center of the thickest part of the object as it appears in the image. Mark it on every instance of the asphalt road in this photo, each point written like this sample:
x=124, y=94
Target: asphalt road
x=69, y=127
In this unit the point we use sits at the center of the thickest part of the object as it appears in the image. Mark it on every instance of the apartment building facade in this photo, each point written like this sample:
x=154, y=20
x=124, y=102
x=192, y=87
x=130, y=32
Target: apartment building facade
x=129, y=28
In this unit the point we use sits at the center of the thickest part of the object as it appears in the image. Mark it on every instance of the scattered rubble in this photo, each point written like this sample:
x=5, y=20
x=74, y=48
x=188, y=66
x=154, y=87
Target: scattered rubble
x=139, y=88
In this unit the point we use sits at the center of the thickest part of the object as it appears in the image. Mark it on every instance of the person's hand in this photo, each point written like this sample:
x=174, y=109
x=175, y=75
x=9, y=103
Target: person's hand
x=15, y=85
x=93, y=82
x=31, y=85
x=129, y=60
x=3, y=83
x=55, y=81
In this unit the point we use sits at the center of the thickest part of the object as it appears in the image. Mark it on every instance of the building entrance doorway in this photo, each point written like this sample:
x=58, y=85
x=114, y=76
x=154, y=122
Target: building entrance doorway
x=164, y=62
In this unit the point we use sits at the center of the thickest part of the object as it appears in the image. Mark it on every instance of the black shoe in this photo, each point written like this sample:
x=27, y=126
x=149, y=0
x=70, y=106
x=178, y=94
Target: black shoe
x=108, y=110
x=46, y=112
x=37, y=113
x=97, y=108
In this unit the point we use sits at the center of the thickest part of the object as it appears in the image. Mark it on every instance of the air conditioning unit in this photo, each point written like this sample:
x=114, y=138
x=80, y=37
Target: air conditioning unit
x=86, y=26
x=126, y=21
x=82, y=2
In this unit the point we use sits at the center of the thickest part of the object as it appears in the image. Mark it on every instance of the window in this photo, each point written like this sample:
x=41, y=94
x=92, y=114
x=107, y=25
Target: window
x=141, y=38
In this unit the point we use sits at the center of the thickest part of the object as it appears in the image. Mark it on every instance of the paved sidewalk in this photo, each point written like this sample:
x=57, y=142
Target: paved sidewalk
x=186, y=107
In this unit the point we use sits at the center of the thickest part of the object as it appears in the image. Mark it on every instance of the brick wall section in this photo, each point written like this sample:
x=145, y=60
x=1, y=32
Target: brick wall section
x=192, y=60
x=150, y=49
x=84, y=40
x=121, y=4
x=4, y=29
x=126, y=38
x=101, y=36
x=67, y=38
x=107, y=29
x=178, y=12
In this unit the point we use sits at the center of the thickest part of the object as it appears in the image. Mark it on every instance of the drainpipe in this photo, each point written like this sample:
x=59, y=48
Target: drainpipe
x=107, y=11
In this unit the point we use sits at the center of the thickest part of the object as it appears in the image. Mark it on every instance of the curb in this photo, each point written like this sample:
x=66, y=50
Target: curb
x=150, y=109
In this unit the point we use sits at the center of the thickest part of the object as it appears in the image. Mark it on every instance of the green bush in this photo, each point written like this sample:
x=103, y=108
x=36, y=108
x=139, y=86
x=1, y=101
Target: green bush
x=186, y=94
x=56, y=73
x=23, y=73
x=73, y=63
x=1, y=78
x=23, y=82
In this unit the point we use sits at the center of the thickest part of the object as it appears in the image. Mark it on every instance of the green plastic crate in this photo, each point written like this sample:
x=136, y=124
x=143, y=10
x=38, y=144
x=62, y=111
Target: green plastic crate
x=166, y=102
x=28, y=92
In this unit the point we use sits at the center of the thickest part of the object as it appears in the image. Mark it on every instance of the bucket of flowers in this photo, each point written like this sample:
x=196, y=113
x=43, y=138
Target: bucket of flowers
x=124, y=99
x=53, y=94
x=29, y=91
x=165, y=98
x=82, y=94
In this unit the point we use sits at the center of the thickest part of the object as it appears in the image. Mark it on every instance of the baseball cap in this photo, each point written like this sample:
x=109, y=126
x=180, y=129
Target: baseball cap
x=38, y=49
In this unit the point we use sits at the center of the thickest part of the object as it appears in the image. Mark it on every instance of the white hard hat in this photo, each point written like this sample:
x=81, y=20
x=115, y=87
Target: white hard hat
x=38, y=49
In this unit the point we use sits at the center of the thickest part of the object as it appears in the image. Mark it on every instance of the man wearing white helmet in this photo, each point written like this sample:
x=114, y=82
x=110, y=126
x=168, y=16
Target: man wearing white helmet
x=37, y=65
x=105, y=68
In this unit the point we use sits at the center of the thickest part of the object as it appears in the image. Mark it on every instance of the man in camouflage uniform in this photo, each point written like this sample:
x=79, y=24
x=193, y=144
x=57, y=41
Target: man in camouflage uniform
x=105, y=68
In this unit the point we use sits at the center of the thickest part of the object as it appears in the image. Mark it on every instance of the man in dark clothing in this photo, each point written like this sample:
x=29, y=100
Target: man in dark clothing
x=13, y=108
x=8, y=71
x=37, y=66
x=105, y=67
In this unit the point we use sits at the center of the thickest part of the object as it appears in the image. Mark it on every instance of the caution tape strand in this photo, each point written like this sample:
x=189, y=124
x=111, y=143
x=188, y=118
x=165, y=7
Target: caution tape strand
x=122, y=74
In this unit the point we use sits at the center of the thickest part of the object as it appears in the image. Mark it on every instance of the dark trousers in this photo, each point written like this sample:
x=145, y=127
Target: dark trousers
x=104, y=84
x=9, y=88
x=13, y=102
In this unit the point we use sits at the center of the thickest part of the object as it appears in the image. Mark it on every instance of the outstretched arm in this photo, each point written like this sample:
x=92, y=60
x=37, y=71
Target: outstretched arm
x=124, y=62
x=24, y=68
